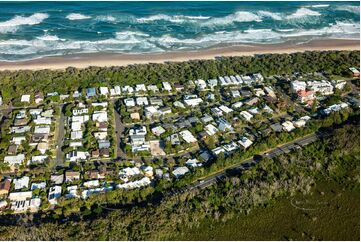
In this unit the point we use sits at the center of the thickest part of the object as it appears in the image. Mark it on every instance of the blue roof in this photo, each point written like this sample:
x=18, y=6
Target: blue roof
x=90, y=92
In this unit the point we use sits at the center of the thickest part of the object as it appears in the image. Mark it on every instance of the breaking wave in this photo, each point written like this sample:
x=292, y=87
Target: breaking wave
x=13, y=24
x=106, y=18
x=349, y=8
x=319, y=6
x=303, y=12
x=173, y=19
x=267, y=14
x=77, y=16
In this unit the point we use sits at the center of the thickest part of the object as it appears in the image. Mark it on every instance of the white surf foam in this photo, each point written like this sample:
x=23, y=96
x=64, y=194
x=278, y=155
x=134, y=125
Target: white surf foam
x=106, y=18
x=303, y=12
x=349, y=8
x=47, y=37
x=239, y=16
x=17, y=21
x=77, y=16
x=267, y=14
x=319, y=6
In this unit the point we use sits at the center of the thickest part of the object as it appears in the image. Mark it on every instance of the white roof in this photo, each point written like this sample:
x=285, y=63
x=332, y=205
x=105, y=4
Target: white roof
x=225, y=109
x=21, y=182
x=100, y=116
x=92, y=183
x=76, y=135
x=246, y=115
x=129, y=102
x=76, y=126
x=193, y=102
x=20, y=196
x=140, y=87
x=158, y=130
x=218, y=150
x=211, y=129
x=245, y=142
x=43, y=129
x=180, y=171
x=129, y=171
x=193, y=162
x=188, y=136
x=25, y=98
x=17, y=140
x=237, y=104
x=14, y=159
x=288, y=126
x=103, y=90
x=167, y=86
x=145, y=181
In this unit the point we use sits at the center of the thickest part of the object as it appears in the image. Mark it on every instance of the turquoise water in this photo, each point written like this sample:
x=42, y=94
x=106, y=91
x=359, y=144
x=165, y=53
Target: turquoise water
x=31, y=30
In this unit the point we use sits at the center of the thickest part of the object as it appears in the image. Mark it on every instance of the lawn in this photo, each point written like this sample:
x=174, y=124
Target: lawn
x=328, y=213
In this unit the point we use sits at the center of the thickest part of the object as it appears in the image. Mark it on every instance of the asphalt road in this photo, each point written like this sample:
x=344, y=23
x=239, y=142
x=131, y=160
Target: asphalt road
x=247, y=164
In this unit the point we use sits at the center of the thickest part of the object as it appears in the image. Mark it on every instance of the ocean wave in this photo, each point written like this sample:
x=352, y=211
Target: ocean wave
x=285, y=30
x=349, y=8
x=171, y=18
x=77, y=16
x=338, y=29
x=319, y=6
x=303, y=12
x=239, y=16
x=13, y=24
x=47, y=37
x=106, y=18
x=131, y=41
x=267, y=14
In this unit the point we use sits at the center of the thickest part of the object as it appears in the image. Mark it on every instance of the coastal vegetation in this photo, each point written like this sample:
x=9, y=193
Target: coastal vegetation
x=15, y=83
x=301, y=176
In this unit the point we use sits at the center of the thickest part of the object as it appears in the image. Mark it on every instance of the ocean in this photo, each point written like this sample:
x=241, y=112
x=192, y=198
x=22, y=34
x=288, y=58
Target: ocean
x=30, y=30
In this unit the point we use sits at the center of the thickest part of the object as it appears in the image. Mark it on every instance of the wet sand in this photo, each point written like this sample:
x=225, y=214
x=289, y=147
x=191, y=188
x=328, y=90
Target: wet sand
x=114, y=59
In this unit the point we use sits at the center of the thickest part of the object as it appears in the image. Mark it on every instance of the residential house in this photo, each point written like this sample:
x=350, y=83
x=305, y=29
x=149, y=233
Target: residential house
x=54, y=194
x=71, y=176
x=180, y=171
x=140, y=88
x=39, y=97
x=129, y=102
x=104, y=91
x=288, y=126
x=20, y=196
x=22, y=182
x=297, y=86
x=142, y=101
x=90, y=92
x=192, y=100
x=167, y=86
x=5, y=187
x=188, y=136
x=210, y=129
x=355, y=72
x=246, y=115
x=245, y=142
x=306, y=96
x=223, y=125
x=14, y=159
x=57, y=179
x=100, y=116
x=201, y=84
x=158, y=130
x=25, y=98
x=76, y=155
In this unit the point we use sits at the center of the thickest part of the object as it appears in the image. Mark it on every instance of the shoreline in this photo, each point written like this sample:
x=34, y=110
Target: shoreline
x=118, y=59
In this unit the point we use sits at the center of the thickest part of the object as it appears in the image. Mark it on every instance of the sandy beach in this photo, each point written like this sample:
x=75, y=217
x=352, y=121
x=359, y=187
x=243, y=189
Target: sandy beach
x=114, y=59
